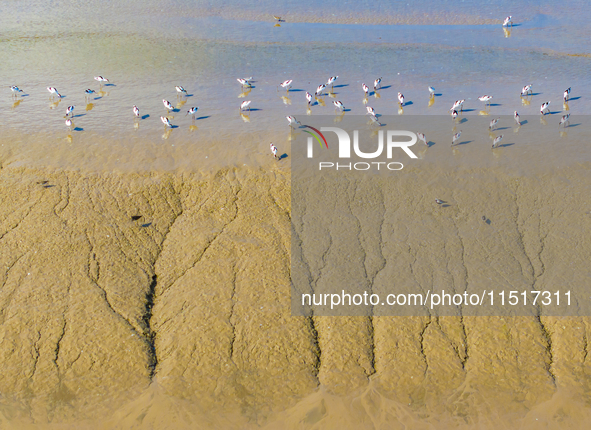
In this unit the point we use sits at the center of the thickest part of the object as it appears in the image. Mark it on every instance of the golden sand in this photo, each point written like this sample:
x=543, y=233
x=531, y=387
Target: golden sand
x=181, y=318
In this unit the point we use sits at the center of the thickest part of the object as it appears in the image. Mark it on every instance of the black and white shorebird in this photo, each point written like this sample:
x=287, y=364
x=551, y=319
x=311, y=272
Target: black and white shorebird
x=456, y=137
x=136, y=111
x=331, y=81
x=15, y=90
x=100, y=79
x=245, y=82
x=365, y=89
x=564, y=120
x=309, y=98
x=493, y=124
x=431, y=92
x=338, y=105
x=292, y=121
x=422, y=137
x=377, y=84
x=89, y=92
x=192, y=112
x=439, y=201
x=54, y=92
x=244, y=105
x=400, y=99
x=285, y=84
x=486, y=99
x=165, y=121
x=545, y=107
x=517, y=118
x=527, y=90
x=70, y=110
x=566, y=94
x=458, y=104
x=168, y=105
x=508, y=22
x=320, y=89
x=497, y=141
x=370, y=111
x=69, y=123
x=454, y=114
x=181, y=90
x=273, y=150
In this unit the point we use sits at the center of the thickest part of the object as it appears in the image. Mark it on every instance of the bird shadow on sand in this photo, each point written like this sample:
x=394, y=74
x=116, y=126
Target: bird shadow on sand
x=531, y=95
x=109, y=85
x=295, y=90
x=78, y=115
x=77, y=129
x=255, y=109
x=553, y=113
x=468, y=110
x=48, y=186
x=146, y=225
x=488, y=221
x=505, y=145
x=502, y=128
x=430, y=144
x=281, y=157
x=573, y=98
x=524, y=122
x=408, y=103
x=445, y=205
x=146, y=116
x=495, y=104
x=514, y=25
x=437, y=95
x=347, y=110
x=465, y=142
x=573, y=125
x=340, y=86
x=202, y=117
x=385, y=87
x=174, y=126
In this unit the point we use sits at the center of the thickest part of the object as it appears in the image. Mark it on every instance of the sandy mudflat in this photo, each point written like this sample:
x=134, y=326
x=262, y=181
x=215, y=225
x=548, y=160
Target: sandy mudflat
x=182, y=318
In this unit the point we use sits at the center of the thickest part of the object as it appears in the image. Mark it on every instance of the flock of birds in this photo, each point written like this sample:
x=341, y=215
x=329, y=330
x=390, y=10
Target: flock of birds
x=455, y=110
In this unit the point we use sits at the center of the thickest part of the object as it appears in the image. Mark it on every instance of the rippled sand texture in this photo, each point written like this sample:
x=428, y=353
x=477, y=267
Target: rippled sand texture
x=181, y=318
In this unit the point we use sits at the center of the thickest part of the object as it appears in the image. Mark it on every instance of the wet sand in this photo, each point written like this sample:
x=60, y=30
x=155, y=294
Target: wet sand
x=182, y=316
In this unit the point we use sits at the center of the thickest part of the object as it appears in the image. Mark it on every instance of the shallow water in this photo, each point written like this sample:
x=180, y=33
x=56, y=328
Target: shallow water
x=145, y=50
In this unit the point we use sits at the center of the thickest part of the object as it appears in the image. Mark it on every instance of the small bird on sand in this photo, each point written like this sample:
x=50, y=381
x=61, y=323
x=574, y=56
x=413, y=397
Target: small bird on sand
x=431, y=92
x=69, y=110
x=100, y=79
x=69, y=123
x=497, y=141
x=565, y=119
x=527, y=90
x=439, y=202
x=54, y=91
x=493, y=124
x=486, y=99
x=136, y=111
x=365, y=89
x=308, y=97
x=244, y=82
x=273, y=150
x=517, y=118
x=292, y=121
x=320, y=89
x=192, y=112
x=165, y=121
x=422, y=137
x=245, y=104
x=181, y=90
x=339, y=105
x=507, y=22
x=15, y=90
x=285, y=84
x=544, y=107
x=377, y=84
x=331, y=81
x=400, y=99
x=566, y=94
x=167, y=105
